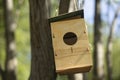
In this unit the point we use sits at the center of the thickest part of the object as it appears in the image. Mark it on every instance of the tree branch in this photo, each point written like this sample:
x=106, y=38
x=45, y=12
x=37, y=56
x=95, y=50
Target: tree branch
x=109, y=46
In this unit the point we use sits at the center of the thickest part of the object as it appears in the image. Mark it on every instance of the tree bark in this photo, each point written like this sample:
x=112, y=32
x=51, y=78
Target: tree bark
x=10, y=26
x=49, y=7
x=2, y=73
x=98, y=55
x=64, y=6
x=73, y=6
x=42, y=63
x=85, y=76
x=109, y=46
x=77, y=76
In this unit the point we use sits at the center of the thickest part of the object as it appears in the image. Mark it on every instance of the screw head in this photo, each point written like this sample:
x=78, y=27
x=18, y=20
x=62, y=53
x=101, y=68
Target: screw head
x=55, y=54
x=87, y=49
x=84, y=31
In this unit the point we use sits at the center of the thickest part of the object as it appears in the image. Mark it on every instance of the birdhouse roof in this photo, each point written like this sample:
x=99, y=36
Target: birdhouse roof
x=78, y=14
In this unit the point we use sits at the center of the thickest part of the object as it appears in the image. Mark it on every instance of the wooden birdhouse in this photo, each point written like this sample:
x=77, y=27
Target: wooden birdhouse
x=70, y=43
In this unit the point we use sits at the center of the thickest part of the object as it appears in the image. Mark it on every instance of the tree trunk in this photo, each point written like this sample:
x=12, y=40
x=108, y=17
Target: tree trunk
x=49, y=7
x=85, y=76
x=10, y=26
x=42, y=63
x=2, y=74
x=77, y=76
x=73, y=6
x=109, y=47
x=64, y=6
x=98, y=55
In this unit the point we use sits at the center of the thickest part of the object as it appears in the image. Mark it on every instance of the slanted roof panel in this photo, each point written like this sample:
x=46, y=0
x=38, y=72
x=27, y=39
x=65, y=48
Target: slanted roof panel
x=79, y=13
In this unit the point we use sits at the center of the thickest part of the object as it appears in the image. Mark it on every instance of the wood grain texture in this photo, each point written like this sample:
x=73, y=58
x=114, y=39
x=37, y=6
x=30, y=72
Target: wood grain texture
x=64, y=6
x=71, y=57
x=42, y=63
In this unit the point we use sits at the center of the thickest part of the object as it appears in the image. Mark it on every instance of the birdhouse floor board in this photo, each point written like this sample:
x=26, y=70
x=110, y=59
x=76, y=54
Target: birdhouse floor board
x=74, y=70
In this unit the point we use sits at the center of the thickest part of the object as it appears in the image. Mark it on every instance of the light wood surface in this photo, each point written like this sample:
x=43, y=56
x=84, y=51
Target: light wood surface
x=71, y=58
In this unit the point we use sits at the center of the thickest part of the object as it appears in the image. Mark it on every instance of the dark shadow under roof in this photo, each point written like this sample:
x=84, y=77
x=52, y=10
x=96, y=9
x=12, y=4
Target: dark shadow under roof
x=79, y=13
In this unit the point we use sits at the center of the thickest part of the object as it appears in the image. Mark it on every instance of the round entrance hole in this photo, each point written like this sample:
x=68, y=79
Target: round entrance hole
x=70, y=38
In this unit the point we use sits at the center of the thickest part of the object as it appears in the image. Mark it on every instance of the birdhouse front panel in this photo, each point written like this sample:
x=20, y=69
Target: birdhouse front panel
x=71, y=45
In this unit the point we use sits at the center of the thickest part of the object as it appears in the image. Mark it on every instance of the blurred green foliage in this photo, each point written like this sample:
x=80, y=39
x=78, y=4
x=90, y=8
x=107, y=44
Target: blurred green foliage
x=54, y=8
x=116, y=59
x=23, y=42
x=2, y=40
x=22, y=38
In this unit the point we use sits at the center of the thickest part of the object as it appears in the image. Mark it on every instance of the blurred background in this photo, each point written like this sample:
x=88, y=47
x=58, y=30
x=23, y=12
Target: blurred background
x=103, y=23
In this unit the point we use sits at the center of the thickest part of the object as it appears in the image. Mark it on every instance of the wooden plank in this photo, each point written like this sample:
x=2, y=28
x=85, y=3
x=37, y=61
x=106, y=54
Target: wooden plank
x=72, y=61
x=71, y=58
x=74, y=70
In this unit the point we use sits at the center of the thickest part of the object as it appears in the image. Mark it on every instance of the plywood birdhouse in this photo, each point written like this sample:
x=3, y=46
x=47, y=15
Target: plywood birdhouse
x=70, y=43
